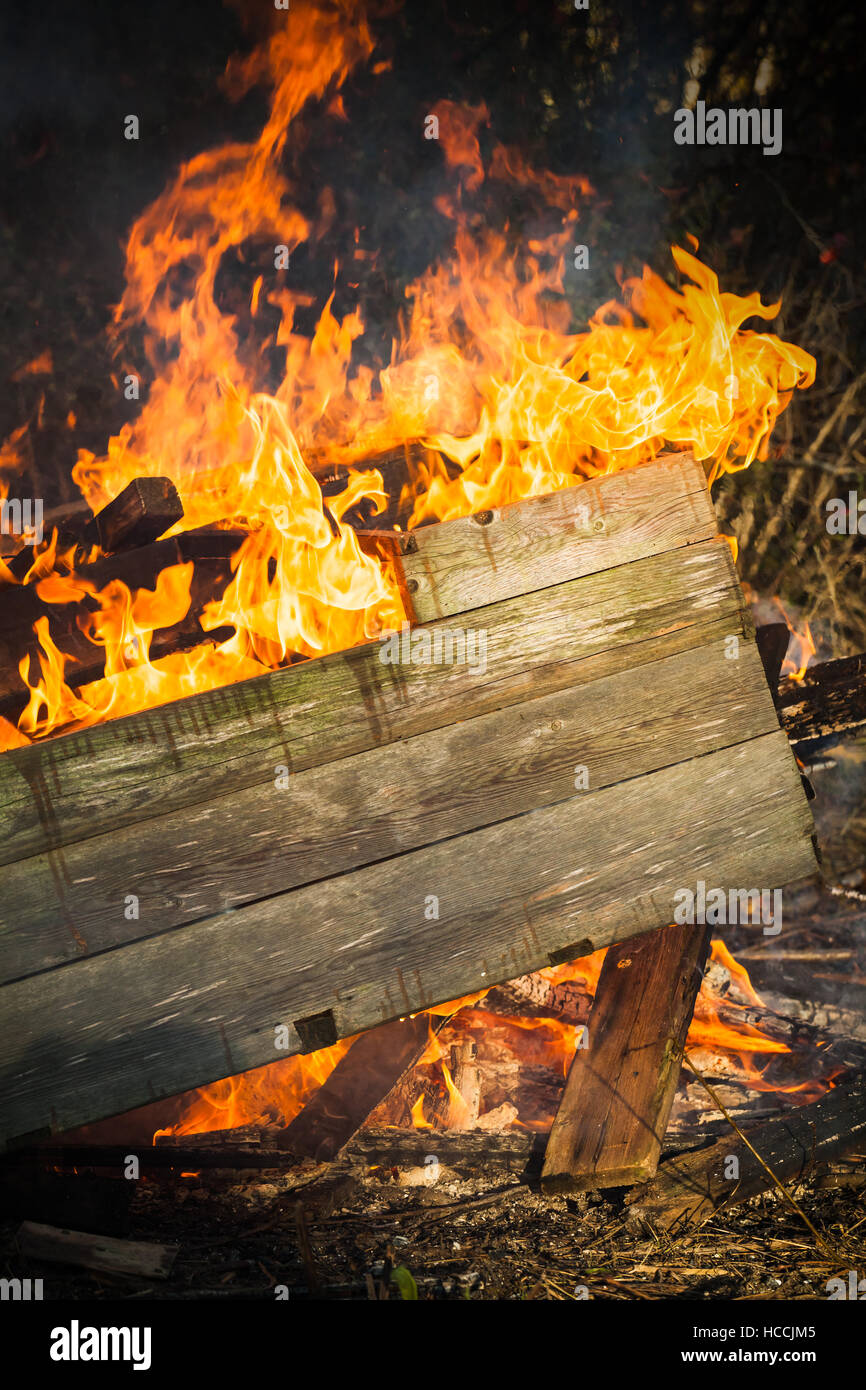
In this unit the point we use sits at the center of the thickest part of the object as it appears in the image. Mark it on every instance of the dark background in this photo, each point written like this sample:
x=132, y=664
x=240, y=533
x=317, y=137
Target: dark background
x=579, y=92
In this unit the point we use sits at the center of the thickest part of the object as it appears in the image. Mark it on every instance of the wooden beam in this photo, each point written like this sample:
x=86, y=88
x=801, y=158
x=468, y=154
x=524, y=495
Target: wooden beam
x=191, y=751
x=611, y=1122
x=264, y=840
x=375, y=1063
x=101, y=1035
x=141, y=513
x=689, y=1188
x=458, y=565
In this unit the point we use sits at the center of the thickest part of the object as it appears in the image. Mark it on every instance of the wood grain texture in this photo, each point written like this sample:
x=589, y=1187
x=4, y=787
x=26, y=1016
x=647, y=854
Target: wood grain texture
x=459, y=565
x=361, y=1080
x=611, y=1121
x=264, y=840
x=201, y=1002
x=191, y=751
x=55, y=1245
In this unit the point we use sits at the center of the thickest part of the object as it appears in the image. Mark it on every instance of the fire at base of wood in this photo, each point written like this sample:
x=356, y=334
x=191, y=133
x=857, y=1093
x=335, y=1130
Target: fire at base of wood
x=607, y=607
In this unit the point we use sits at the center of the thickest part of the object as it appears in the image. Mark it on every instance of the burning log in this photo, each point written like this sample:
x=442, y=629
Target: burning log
x=611, y=1122
x=143, y=512
x=140, y=514
x=462, y=1100
x=828, y=704
x=689, y=1188
x=140, y=1258
x=210, y=552
x=431, y=837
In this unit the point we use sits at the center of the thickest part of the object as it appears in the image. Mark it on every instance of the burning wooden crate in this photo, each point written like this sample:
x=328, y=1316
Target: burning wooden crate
x=575, y=729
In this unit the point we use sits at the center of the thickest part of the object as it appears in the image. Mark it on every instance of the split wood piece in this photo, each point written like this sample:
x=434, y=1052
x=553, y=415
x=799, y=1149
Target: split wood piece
x=532, y=996
x=312, y=713
x=138, y=1258
x=82, y=1201
x=143, y=511
x=828, y=705
x=397, y=466
x=375, y=1063
x=260, y=841
x=464, y=1101
x=518, y=549
x=688, y=1189
x=459, y=1107
x=611, y=1122
x=138, y=569
x=187, y=1007
x=463, y=1152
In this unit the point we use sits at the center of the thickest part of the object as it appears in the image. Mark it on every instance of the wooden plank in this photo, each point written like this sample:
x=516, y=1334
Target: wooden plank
x=263, y=840
x=141, y=513
x=194, y=750
x=104, y=1034
x=361, y=1080
x=612, y=1118
x=689, y=1188
x=459, y=565
x=140, y=1258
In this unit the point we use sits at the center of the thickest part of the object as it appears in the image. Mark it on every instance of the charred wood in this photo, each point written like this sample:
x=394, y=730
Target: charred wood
x=692, y=1186
x=827, y=705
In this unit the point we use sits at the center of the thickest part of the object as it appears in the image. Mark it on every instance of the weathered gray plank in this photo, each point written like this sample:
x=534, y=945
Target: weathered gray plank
x=459, y=565
x=264, y=840
x=196, y=749
x=154, y=1018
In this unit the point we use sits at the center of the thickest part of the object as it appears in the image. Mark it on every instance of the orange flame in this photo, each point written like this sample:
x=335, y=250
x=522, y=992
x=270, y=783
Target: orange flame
x=279, y=1091
x=486, y=373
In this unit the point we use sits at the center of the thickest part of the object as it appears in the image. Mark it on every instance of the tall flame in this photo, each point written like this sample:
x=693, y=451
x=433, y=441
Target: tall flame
x=485, y=372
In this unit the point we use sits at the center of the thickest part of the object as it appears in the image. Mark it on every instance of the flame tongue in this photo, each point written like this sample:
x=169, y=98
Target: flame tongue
x=486, y=373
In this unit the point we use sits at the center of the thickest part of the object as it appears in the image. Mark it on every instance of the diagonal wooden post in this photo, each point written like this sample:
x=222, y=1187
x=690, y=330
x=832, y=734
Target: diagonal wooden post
x=612, y=1118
